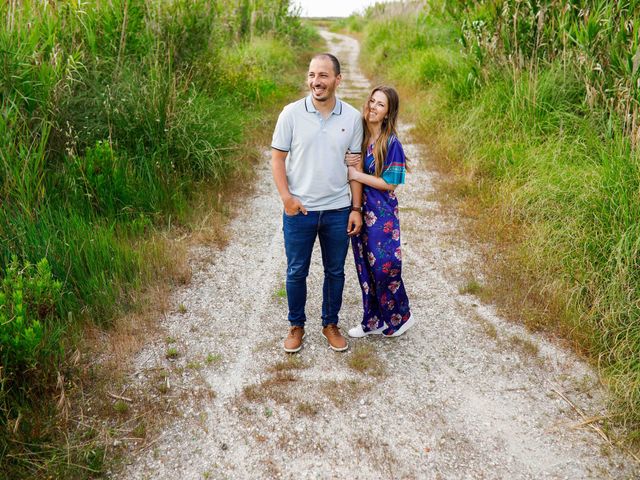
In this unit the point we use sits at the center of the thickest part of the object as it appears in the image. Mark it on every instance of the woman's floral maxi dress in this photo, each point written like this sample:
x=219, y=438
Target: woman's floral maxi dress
x=377, y=249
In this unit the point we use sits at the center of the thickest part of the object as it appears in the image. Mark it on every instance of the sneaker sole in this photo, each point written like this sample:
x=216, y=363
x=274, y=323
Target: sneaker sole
x=372, y=332
x=295, y=350
x=336, y=349
x=409, y=323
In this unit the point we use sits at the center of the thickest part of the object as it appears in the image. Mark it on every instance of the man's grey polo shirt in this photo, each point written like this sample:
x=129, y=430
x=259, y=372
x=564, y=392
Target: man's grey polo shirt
x=315, y=166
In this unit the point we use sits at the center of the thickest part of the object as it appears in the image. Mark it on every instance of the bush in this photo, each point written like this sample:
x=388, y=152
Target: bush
x=29, y=301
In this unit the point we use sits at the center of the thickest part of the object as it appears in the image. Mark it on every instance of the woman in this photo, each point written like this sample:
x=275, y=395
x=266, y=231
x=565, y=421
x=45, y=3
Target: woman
x=377, y=248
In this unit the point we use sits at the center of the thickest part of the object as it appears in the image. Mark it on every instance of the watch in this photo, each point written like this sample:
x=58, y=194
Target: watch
x=356, y=209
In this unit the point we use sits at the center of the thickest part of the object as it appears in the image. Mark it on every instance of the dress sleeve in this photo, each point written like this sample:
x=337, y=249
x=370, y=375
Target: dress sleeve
x=395, y=164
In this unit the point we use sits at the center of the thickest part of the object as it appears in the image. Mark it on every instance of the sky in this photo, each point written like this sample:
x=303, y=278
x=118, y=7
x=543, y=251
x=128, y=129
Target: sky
x=332, y=8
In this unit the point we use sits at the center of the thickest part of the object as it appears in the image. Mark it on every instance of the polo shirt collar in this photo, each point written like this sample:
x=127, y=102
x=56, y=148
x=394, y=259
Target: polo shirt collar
x=308, y=103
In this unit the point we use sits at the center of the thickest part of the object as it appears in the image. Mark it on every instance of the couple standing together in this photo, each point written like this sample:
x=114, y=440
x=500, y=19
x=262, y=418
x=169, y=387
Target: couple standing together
x=336, y=171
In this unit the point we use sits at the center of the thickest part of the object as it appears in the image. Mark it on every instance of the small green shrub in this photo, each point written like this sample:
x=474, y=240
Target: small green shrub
x=28, y=298
x=172, y=353
x=102, y=180
x=121, y=407
x=30, y=345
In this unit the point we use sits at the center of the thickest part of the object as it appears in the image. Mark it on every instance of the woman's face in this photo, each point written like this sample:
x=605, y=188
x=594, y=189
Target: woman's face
x=377, y=108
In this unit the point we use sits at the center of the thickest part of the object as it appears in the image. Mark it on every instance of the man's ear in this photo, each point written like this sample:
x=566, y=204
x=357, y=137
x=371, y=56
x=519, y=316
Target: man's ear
x=339, y=79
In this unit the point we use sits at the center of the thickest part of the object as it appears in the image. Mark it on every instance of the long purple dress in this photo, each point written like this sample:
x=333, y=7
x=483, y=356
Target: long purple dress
x=377, y=251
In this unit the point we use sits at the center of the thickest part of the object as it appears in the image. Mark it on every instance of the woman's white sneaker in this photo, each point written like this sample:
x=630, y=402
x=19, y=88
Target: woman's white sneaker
x=358, y=332
x=406, y=326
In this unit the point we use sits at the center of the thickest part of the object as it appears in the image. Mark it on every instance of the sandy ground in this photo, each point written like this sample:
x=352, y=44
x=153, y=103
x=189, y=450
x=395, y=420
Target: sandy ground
x=463, y=395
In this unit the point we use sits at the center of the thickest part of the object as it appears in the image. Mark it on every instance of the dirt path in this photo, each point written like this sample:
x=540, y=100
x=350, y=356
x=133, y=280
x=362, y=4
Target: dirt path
x=463, y=395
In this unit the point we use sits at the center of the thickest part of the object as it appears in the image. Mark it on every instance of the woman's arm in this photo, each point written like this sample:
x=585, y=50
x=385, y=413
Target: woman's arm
x=371, y=180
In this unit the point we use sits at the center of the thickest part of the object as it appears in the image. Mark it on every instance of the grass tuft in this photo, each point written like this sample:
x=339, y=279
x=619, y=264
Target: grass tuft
x=471, y=287
x=308, y=409
x=291, y=363
x=172, y=353
x=274, y=388
x=365, y=359
x=121, y=407
x=213, y=358
x=524, y=345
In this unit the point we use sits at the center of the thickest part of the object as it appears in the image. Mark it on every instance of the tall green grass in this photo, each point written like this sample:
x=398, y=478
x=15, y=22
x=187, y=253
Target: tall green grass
x=113, y=116
x=539, y=115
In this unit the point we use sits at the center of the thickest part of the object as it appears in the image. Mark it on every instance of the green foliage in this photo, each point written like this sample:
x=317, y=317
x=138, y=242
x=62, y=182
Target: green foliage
x=353, y=23
x=113, y=115
x=253, y=68
x=416, y=50
x=540, y=107
x=28, y=298
x=30, y=344
x=598, y=39
x=114, y=112
x=100, y=181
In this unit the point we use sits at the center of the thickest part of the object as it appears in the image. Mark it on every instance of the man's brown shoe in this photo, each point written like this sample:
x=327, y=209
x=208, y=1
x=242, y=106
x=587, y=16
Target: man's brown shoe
x=293, y=342
x=336, y=341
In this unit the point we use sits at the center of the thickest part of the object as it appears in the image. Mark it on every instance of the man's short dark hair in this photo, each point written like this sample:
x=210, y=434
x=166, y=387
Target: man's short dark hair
x=334, y=61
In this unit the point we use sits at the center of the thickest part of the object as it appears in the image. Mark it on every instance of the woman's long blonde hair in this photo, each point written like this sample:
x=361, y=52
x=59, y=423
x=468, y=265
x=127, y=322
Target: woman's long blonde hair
x=388, y=127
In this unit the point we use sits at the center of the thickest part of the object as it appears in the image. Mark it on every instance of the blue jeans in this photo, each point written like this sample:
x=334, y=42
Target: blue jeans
x=300, y=233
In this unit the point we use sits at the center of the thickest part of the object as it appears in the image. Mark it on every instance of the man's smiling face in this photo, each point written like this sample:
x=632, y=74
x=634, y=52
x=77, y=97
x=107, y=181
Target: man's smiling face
x=322, y=79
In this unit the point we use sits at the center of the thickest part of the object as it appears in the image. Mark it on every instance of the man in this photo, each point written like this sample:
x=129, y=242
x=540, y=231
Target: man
x=307, y=158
